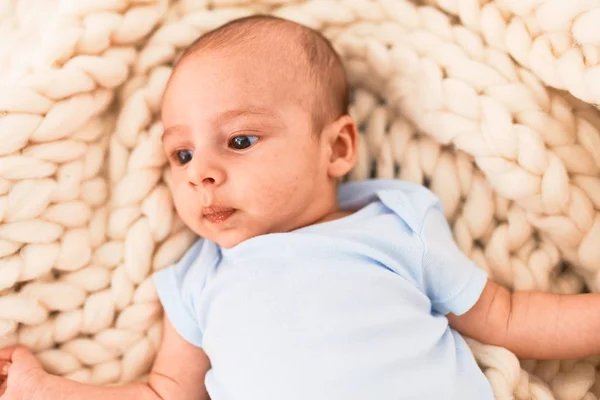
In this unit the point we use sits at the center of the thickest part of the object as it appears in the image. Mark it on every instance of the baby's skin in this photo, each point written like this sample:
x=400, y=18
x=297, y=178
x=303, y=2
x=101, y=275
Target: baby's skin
x=257, y=142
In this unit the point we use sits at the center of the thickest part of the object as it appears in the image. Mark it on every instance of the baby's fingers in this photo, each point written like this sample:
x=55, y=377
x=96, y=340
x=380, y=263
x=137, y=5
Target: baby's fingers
x=19, y=355
x=3, y=375
x=4, y=364
x=6, y=353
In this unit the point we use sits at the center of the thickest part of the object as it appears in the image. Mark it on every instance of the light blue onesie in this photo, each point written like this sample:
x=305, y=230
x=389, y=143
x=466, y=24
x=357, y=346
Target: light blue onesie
x=350, y=309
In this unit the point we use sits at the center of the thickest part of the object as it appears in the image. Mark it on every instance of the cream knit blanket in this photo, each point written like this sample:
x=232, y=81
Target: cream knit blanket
x=489, y=103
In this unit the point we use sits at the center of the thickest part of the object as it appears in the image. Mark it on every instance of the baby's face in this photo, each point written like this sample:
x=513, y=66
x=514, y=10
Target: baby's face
x=239, y=143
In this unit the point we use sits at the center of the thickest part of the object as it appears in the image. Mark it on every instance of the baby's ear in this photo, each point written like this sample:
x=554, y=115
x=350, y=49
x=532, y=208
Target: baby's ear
x=343, y=139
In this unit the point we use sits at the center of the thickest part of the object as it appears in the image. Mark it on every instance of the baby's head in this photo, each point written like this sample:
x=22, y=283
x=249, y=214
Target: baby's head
x=256, y=130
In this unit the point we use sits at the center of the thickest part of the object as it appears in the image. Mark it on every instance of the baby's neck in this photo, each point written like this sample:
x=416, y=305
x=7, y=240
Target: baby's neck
x=334, y=215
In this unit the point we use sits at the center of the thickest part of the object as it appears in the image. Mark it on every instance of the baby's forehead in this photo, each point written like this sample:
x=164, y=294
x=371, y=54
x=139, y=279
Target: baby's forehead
x=264, y=68
x=235, y=75
x=226, y=101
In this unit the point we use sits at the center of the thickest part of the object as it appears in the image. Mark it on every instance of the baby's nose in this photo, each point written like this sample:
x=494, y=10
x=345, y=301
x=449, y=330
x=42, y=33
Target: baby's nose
x=206, y=177
x=205, y=173
x=204, y=182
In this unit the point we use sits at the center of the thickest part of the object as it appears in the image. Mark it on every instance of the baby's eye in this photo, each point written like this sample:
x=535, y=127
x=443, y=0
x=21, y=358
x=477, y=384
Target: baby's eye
x=184, y=156
x=242, y=142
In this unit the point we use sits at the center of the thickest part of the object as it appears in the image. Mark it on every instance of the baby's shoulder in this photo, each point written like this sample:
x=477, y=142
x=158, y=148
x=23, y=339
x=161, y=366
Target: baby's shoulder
x=409, y=201
x=195, y=266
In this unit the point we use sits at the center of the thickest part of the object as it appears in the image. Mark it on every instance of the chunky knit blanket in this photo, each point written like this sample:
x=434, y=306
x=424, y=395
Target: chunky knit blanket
x=491, y=104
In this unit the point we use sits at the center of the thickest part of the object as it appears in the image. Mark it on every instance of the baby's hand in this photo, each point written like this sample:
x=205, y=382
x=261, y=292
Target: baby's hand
x=21, y=374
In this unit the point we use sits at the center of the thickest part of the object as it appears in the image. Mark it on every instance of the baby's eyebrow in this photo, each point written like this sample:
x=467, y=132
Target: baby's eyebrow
x=226, y=116
x=242, y=112
x=171, y=131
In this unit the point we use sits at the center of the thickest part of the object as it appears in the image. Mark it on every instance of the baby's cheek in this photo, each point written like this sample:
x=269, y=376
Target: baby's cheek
x=286, y=199
x=280, y=183
x=275, y=188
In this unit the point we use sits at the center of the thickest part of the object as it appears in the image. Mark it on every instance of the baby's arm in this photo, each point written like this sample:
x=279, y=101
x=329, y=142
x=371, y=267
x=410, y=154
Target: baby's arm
x=178, y=373
x=534, y=325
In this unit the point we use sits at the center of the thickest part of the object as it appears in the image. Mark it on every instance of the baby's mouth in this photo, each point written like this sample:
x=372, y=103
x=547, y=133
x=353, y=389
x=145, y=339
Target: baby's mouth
x=217, y=215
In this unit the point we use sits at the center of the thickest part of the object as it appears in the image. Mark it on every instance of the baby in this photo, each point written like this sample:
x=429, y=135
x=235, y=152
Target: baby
x=302, y=287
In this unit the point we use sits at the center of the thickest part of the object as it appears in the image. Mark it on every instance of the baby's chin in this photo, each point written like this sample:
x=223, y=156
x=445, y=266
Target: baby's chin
x=236, y=229
x=228, y=238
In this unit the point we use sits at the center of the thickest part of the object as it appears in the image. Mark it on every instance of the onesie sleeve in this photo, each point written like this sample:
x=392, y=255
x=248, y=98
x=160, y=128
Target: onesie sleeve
x=178, y=305
x=451, y=280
